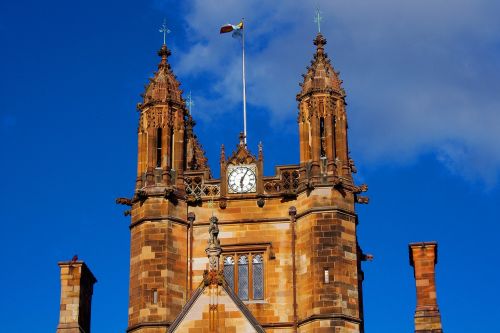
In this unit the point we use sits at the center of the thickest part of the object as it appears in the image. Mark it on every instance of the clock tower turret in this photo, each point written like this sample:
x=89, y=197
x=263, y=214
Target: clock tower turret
x=322, y=119
x=159, y=225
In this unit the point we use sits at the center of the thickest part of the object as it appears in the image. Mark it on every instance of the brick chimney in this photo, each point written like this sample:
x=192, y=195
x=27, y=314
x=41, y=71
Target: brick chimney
x=423, y=258
x=77, y=284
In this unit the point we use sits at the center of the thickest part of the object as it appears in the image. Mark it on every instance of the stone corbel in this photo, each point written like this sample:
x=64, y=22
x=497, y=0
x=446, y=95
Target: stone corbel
x=170, y=194
x=338, y=183
x=222, y=203
x=193, y=200
x=141, y=195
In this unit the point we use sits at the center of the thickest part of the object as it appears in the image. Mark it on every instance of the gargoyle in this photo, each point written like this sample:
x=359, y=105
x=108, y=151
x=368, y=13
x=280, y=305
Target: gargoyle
x=361, y=188
x=124, y=201
x=362, y=200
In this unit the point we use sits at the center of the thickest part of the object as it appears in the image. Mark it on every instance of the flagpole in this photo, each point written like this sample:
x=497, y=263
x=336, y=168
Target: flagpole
x=244, y=85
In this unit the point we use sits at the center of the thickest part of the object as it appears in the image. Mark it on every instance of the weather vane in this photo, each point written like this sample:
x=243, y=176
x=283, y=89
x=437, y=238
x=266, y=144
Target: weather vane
x=165, y=31
x=318, y=18
x=190, y=103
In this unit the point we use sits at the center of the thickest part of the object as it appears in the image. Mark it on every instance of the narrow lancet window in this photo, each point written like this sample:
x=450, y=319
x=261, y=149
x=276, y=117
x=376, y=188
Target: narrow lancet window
x=171, y=156
x=155, y=296
x=243, y=278
x=334, y=145
x=229, y=271
x=158, y=147
x=322, y=136
x=258, y=277
x=326, y=276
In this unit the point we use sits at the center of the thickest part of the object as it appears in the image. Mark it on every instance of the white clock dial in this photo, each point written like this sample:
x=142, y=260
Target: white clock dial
x=242, y=179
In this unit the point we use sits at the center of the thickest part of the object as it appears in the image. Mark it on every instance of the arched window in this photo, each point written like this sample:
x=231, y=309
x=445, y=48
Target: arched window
x=258, y=277
x=158, y=147
x=244, y=273
x=243, y=277
x=229, y=271
x=322, y=136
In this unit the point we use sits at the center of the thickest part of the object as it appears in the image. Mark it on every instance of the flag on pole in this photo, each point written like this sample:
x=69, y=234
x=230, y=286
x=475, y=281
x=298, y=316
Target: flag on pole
x=235, y=29
x=238, y=32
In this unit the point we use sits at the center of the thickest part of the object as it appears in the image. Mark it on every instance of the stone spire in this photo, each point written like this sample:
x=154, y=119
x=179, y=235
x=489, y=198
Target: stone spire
x=161, y=131
x=324, y=152
x=163, y=87
x=195, y=154
x=320, y=76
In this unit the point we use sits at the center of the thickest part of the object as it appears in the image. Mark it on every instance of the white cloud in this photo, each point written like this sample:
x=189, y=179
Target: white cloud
x=420, y=76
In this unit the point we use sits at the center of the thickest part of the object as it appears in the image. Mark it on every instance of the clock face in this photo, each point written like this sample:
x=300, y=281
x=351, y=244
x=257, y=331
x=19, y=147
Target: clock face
x=241, y=179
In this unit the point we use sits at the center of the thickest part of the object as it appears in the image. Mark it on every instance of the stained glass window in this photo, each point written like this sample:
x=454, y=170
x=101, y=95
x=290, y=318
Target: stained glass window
x=229, y=271
x=243, y=277
x=258, y=277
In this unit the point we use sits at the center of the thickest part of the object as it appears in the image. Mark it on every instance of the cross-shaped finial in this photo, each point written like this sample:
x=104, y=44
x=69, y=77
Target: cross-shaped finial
x=318, y=18
x=190, y=103
x=165, y=31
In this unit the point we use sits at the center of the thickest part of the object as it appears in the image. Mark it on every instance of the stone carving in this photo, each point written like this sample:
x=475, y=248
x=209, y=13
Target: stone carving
x=362, y=200
x=213, y=278
x=124, y=201
x=288, y=184
x=361, y=188
x=196, y=187
x=213, y=230
x=213, y=250
x=222, y=203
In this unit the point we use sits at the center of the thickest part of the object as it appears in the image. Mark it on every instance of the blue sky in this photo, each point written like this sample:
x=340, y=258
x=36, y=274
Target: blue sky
x=422, y=80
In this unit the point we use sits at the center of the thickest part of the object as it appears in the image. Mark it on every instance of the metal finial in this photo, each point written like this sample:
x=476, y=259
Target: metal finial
x=318, y=18
x=165, y=31
x=190, y=103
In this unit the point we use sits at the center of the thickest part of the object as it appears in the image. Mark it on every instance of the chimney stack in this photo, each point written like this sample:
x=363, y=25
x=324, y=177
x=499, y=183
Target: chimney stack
x=423, y=258
x=77, y=284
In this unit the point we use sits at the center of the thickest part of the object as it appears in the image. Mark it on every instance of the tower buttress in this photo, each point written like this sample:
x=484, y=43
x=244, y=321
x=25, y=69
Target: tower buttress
x=329, y=275
x=167, y=148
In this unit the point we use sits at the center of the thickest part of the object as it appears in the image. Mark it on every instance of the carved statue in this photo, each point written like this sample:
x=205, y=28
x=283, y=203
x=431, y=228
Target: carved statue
x=213, y=231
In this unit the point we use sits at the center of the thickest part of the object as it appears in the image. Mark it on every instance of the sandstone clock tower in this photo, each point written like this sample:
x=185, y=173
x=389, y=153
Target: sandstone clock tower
x=287, y=243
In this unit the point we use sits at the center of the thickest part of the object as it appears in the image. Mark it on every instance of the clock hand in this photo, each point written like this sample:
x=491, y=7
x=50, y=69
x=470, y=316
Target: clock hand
x=241, y=179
